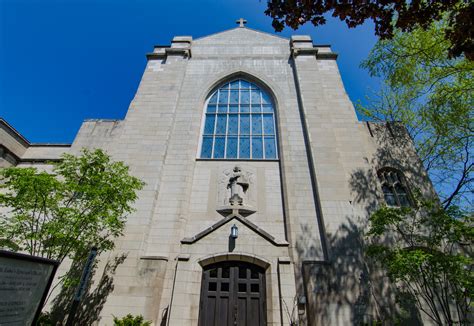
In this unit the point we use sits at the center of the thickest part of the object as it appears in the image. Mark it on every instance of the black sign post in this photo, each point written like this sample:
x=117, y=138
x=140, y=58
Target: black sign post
x=82, y=286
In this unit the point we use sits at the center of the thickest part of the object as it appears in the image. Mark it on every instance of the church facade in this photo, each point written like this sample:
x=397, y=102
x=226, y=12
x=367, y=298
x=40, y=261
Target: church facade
x=259, y=182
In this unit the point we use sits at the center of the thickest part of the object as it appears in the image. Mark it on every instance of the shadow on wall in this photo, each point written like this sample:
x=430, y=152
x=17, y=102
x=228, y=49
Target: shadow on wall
x=92, y=301
x=395, y=150
x=349, y=287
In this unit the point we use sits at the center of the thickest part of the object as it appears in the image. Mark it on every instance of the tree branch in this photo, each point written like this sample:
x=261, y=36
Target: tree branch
x=467, y=166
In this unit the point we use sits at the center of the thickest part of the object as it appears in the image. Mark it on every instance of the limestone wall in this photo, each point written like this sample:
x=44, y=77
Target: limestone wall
x=345, y=155
x=311, y=205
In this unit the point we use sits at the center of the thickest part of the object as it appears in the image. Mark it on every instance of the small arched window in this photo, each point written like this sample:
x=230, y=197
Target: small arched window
x=395, y=190
x=239, y=123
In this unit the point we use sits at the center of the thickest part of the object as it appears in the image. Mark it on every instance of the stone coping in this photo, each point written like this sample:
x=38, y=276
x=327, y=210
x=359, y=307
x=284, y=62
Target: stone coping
x=185, y=52
x=18, y=136
x=264, y=234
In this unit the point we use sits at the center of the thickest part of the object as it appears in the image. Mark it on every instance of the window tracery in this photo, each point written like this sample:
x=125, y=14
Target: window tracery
x=239, y=123
x=394, y=188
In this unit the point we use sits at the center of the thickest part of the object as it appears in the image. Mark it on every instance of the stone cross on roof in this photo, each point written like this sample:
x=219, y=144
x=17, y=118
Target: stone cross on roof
x=241, y=22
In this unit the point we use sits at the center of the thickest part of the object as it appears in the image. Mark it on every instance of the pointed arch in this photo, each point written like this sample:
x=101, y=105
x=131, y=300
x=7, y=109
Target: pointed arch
x=252, y=76
x=239, y=121
x=394, y=187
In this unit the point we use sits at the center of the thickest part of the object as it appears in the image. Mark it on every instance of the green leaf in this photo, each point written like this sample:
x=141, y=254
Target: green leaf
x=84, y=202
x=432, y=95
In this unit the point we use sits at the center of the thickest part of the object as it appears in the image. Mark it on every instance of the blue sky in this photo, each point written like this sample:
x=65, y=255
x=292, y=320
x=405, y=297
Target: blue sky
x=63, y=61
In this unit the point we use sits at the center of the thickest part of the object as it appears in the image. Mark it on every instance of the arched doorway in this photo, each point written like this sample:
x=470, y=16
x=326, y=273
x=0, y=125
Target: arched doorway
x=233, y=293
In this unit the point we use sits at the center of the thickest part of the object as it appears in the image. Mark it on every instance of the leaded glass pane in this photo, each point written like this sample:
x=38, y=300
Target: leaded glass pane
x=390, y=178
x=399, y=189
x=394, y=187
x=219, y=145
x=255, y=97
x=389, y=196
x=256, y=108
x=245, y=108
x=403, y=199
x=209, y=125
x=270, y=148
x=221, y=124
x=223, y=96
x=234, y=112
x=256, y=124
x=402, y=195
x=244, y=84
x=268, y=124
x=257, y=151
x=233, y=124
x=265, y=98
x=213, y=99
x=245, y=124
x=244, y=147
x=231, y=151
x=396, y=177
x=234, y=84
x=206, y=149
x=234, y=97
x=244, y=97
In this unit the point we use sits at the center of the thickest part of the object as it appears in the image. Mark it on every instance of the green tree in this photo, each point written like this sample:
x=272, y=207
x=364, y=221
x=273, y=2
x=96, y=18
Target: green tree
x=426, y=252
x=425, y=249
x=387, y=16
x=433, y=97
x=130, y=320
x=82, y=203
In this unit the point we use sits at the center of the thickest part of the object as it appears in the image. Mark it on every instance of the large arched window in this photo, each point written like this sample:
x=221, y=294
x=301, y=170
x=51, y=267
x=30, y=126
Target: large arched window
x=239, y=123
x=395, y=190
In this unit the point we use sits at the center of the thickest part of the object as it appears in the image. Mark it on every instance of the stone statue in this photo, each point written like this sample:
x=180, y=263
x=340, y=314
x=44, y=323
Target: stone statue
x=238, y=185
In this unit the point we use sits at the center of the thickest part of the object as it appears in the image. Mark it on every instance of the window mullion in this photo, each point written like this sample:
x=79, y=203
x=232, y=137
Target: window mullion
x=227, y=122
x=395, y=194
x=263, y=134
x=215, y=124
x=275, y=134
x=250, y=120
x=226, y=135
x=238, y=124
x=253, y=113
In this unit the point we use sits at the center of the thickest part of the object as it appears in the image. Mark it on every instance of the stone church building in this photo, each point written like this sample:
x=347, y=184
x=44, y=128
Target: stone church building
x=259, y=182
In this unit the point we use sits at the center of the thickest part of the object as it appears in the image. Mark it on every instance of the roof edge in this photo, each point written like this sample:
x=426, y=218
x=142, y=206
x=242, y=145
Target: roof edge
x=13, y=132
x=18, y=136
x=251, y=29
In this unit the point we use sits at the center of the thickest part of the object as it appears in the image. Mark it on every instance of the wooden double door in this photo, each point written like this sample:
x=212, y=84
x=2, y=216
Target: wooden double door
x=232, y=293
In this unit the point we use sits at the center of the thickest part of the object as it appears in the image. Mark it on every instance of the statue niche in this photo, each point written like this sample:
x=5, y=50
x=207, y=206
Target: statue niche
x=235, y=192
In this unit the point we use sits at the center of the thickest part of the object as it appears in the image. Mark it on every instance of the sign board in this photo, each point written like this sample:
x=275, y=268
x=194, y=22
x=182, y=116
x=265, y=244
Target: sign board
x=24, y=284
